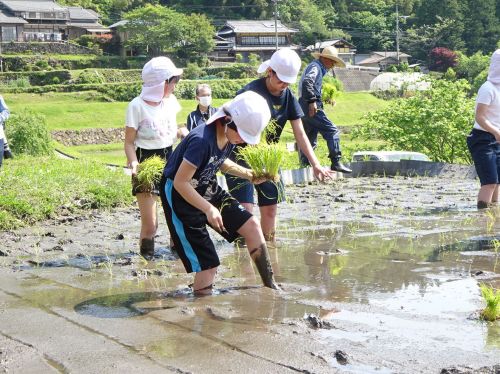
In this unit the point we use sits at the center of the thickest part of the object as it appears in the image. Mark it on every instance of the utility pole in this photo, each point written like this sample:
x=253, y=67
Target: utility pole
x=397, y=33
x=276, y=22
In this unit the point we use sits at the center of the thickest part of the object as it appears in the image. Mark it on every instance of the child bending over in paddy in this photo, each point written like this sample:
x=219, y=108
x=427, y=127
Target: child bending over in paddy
x=191, y=197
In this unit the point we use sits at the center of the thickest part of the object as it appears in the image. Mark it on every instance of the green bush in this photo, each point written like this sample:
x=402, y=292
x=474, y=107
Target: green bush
x=435, y=122
x=22, y=82
x=39, y=78
x=28, y=134
x=89, y=77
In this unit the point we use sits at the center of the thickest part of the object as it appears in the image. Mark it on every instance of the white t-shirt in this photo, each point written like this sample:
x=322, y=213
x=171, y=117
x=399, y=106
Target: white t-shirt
x=489, y=94
x=156, y=125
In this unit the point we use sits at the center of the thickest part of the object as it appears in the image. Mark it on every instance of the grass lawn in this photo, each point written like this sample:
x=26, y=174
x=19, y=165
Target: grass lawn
x=81, y=111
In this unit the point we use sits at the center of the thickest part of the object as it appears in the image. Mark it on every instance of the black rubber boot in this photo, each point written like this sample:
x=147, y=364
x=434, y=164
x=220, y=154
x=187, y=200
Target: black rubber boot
x=482, y=205
x=147, y=248
x=263, y=263
x=338, y=166
x=7, y=153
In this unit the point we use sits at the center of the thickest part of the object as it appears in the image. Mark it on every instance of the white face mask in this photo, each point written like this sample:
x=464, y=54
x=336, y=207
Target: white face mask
x=205, y=100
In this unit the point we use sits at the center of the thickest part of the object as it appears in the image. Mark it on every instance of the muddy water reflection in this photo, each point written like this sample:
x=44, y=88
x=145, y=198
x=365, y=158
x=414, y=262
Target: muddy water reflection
x=420, y=268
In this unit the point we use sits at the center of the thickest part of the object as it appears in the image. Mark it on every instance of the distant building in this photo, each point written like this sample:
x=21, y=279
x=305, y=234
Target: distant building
x=346, y=50
x=246, y=37
x=381, y=60
x=45, y=20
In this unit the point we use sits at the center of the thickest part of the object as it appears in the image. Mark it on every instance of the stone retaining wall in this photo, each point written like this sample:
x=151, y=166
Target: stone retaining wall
x=45, y=48
x=89, y=136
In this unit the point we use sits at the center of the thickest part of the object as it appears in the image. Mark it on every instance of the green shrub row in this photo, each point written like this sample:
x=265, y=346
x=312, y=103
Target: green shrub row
x=223, y=89
x=39, y=78
x=73, y=62
x=108, y=76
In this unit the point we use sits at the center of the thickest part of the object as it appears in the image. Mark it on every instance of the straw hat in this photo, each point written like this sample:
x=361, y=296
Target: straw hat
x=330, y=53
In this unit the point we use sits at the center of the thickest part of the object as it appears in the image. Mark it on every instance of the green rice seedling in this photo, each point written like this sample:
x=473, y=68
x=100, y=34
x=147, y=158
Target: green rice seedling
x=492, y=298
x=149, y=172
x=264, y=159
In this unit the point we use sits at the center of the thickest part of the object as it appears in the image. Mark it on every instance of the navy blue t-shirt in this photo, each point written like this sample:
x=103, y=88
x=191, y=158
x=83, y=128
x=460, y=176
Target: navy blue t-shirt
x=283, y=108
x=200, y=149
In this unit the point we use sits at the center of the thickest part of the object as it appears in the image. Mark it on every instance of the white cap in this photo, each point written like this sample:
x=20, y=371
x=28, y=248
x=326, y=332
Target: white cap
x=494, y=71
x=285, y=62
x=249, y=112
x=154, y=74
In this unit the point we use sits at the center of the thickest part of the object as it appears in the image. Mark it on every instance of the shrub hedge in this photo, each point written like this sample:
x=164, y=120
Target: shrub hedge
x=224, y=89
x=70, y=62
x=38, y=78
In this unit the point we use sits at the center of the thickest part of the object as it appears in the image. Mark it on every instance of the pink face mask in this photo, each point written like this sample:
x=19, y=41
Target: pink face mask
x=494, y=72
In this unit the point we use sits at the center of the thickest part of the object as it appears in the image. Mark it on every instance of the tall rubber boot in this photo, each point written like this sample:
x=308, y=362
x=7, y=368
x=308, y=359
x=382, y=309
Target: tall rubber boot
x=147, y=248
x=263, y=263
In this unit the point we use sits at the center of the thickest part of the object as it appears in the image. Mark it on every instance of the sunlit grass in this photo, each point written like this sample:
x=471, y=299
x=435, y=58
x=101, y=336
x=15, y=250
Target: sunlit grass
x=492, y=298
x=265, y=160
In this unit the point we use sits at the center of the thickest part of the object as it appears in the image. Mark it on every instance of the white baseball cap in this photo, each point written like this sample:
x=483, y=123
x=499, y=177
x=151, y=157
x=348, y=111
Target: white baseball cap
x=250, y=113
x=154, y=74
x=285, y=62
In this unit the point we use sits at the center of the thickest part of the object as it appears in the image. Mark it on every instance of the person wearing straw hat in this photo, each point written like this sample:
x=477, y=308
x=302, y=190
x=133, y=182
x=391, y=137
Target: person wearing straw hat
x=315, y=119
x=484, y=140
x=151, y=129
x=280, y=70
x=192, y=198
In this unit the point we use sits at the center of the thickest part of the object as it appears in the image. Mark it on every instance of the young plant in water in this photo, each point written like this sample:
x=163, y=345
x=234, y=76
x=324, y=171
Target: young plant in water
x=264, y=159
x=149, y=172
x=492, y=299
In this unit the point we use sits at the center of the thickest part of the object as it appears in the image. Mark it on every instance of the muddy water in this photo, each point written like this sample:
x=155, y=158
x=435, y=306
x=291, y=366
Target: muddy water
x=378, y=275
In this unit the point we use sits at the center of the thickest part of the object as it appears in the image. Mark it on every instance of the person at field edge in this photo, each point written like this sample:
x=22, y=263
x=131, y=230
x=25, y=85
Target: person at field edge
x=151, y=129
x=192, y=198
x=315, y=119
x=483, y=141
x=280, y=71
x=203, y=110
x=4, y=115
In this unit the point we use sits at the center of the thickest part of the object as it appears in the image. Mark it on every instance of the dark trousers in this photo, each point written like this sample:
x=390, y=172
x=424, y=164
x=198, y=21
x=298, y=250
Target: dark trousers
x=321, y=124
x=1, y=151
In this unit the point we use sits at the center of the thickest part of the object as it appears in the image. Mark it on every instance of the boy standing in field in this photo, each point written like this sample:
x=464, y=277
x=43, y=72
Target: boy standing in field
x=191, y=197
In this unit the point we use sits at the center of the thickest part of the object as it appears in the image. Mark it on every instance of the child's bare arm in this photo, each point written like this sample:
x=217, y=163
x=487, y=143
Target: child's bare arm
x=182, y=184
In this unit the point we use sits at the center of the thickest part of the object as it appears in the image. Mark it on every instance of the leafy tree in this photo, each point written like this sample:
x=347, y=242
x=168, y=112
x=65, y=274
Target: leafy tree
x=162, y=29
x=431, y=12
x=482, y=26
x=441, y=59
x=471, y=67
x=421, y=40
x=435, y=122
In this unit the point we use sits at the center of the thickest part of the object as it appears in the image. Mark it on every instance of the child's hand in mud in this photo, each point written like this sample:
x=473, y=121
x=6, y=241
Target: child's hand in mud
x=215, y=219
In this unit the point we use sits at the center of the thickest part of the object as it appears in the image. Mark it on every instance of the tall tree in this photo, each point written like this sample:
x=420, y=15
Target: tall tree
x=429, y=13
x=482, y=26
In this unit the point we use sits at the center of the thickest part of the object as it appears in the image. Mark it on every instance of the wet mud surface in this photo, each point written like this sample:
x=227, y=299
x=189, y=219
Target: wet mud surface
x=379, y=275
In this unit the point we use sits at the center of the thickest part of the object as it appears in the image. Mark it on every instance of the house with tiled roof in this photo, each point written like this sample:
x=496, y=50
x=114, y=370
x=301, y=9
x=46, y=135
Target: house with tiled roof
x=382, y=60
x=252, y=36
x=45, y=20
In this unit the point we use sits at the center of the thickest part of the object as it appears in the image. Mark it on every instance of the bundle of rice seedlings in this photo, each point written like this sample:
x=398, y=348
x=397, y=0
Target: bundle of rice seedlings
x=263, y=159
x=492, y=298
x=149, y=172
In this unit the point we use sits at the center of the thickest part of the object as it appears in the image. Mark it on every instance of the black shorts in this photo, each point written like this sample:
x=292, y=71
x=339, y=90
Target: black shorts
x=485, y=152
x=188, y=225
x=142, y=154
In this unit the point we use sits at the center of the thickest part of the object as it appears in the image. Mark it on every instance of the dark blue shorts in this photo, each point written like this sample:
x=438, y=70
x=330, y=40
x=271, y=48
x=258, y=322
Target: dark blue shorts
x=485, y=151
x=188, y=225
x=268, y=193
